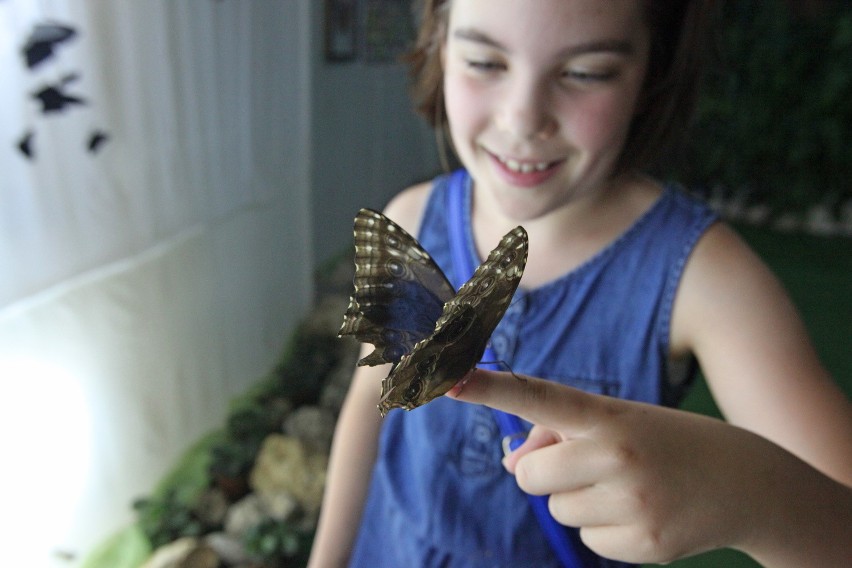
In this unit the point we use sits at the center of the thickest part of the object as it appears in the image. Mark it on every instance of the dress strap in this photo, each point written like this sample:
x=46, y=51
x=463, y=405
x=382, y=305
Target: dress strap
x=565, y=542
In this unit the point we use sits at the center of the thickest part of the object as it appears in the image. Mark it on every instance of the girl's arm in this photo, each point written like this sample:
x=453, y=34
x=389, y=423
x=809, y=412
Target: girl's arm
x=754, y=351
x=353, y=454
x=765, y=376
x=356, y=435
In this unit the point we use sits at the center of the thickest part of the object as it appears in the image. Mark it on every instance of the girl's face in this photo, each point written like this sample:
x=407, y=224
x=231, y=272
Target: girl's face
x=540, y=95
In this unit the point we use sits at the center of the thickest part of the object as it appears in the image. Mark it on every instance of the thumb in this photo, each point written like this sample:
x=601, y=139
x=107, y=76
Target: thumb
x=539, y=437
x=541, y=402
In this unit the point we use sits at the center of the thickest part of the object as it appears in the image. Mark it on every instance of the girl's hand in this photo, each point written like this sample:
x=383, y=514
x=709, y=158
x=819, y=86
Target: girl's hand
x=651, y=484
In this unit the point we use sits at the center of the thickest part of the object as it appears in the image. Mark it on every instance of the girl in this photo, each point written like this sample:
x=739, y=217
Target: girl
x=554, y=107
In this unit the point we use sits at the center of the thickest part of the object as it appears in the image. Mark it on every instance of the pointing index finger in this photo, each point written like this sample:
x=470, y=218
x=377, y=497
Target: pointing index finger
x=535, y=400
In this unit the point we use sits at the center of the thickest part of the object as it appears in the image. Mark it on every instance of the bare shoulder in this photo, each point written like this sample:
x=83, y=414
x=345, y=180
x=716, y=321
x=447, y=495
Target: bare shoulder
x=727, y=282
x=733, y=313
x=407, y=207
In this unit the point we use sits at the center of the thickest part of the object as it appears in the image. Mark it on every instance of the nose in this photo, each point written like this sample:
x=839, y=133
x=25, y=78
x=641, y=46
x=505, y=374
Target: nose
x=525, y=113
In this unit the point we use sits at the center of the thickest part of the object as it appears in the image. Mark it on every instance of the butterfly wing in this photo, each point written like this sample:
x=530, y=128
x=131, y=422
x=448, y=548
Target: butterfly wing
x=461, y=332
x=399, y=290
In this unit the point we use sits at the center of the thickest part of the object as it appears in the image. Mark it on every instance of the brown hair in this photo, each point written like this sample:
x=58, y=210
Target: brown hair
x=680, y=42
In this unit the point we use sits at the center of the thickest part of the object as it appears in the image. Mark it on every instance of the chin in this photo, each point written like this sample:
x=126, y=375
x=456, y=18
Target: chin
x=521, y=209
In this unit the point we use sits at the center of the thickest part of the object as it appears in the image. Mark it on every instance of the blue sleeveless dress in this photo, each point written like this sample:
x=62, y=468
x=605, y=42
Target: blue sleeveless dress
x=439, y=496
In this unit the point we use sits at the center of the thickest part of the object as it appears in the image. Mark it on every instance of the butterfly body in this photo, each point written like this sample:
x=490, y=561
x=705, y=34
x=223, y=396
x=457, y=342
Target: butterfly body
x=405, y=306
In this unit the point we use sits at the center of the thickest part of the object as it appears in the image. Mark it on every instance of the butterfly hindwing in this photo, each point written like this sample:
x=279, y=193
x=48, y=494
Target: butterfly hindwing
x=461, y=332
x=399, y=290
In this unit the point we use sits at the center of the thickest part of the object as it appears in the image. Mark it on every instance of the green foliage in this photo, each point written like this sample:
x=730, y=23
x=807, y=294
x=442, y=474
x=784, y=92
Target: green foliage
x=247, y=427
x=775, y=116
x=232, y=459
x=308, y=359
x=166, y=518
x=226, y=458
x=126, y=549
x=168, y=513
x=188, y=478
x=279, y=544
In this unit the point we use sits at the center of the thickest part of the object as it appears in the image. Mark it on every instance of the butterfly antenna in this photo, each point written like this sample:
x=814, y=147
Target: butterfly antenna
x=506, y=366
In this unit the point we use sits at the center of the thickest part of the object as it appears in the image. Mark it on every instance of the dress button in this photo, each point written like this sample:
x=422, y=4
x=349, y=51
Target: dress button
x=499, y=343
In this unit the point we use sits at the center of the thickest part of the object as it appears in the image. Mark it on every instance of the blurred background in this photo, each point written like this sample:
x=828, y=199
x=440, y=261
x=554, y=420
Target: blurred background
x=177, y=186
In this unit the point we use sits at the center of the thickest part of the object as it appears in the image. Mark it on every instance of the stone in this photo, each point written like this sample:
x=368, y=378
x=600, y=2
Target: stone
x=280, y=506
x=327, y=316
x=212, y=506
x=227, y=547
x=313, y=426
x=175, y=554
x=244, y=515
x=202, y=556
x=757, y=214
x=787, y=222
x=284, y=466
x=820, y=221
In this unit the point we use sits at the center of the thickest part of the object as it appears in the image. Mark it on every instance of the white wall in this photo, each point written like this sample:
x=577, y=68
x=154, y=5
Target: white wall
x=143, y=286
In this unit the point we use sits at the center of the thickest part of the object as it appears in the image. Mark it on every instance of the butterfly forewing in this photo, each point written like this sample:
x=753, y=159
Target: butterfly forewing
x=461, y=332
x=492, y=286
x=399, y=290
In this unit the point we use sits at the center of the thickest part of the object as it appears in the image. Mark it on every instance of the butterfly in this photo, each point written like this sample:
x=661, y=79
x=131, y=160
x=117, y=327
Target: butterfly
x=404, y=305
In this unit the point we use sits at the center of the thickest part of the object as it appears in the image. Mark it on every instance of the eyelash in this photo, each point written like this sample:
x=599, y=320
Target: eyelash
x=589, y=77
x=485, y=66
x=489, y=67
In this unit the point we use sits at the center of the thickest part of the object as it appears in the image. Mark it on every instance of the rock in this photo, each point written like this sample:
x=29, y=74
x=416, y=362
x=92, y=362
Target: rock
x=757, y=214
x=201, y=557
x=186, y=552
x=327, y=317
x=227, y=547
x=244, y=515
x=819, y=220
x=279, y=407
x=280, y=506
x=313, y=426
x=787, y=223
x=283, y=466
x=212, y=506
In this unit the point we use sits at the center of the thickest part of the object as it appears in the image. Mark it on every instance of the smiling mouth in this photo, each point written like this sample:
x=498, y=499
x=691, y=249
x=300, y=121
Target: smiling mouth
x=523, y=167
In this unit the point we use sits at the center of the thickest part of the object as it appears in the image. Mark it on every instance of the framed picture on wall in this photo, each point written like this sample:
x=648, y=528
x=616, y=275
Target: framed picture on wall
x=341, y=29
x=389, y=29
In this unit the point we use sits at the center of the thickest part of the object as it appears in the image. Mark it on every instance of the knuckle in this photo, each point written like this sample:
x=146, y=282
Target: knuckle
x=560, y=508
x=626, y=456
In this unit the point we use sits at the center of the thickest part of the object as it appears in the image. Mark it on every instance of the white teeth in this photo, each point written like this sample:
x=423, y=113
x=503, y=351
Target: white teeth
x=525, y=167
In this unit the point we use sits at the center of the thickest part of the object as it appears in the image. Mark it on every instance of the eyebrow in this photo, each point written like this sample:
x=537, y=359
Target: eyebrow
x=623, y=47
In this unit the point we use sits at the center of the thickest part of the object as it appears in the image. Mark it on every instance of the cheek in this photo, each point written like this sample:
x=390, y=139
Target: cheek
x=465, y=104
x=601, y=123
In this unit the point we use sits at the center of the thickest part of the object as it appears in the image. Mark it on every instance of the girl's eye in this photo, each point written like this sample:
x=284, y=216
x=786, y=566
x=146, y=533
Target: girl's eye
x=582, y=76
x=485, y=66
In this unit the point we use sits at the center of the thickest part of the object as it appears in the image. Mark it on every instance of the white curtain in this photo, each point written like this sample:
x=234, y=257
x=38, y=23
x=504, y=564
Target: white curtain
x=154, y=243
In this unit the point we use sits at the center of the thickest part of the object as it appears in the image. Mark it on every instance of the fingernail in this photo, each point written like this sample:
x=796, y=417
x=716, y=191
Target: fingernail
x=456, y=390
